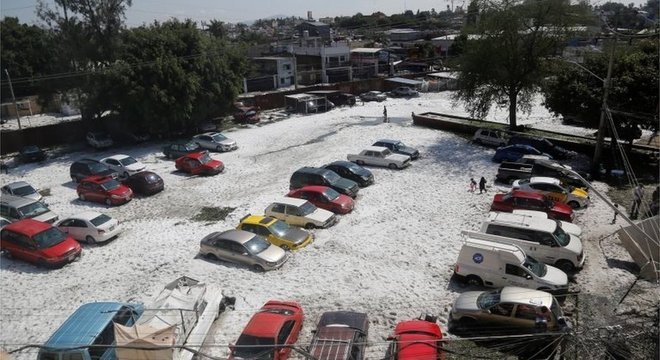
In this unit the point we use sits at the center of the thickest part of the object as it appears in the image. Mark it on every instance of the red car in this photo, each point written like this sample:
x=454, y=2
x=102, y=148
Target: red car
x=416, y=340
x=324, y=198
x=532, y=201
x=277, y=323
x=39, y=243
x=199, y=163
x=104, y=189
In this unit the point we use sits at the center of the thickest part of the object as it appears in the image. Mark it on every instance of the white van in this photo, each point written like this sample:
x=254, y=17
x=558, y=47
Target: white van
x=565, y=225
x=489, y=137
x=543, y=239
x=493, y=264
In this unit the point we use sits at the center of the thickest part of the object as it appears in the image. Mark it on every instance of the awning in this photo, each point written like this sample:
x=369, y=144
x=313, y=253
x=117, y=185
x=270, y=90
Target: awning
x=404, y=81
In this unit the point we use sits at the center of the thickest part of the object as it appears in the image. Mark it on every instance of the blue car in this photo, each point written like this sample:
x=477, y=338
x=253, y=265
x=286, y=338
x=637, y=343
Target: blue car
x=515, y=152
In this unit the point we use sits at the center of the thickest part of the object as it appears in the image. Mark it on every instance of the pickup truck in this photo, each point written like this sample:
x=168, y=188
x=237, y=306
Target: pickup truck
x=510, y=171
x=380, y=156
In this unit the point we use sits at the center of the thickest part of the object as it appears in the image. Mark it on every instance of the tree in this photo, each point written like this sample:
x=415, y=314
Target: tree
x=504, y=64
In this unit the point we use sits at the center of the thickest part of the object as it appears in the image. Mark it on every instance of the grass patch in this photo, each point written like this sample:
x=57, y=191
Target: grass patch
x=44, y=192
x=213, y=213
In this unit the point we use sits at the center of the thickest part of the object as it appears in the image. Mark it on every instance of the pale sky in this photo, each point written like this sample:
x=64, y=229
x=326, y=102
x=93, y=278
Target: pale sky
x=145, y=11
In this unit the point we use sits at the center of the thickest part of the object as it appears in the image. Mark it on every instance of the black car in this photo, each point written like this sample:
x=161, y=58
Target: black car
x=176, y=150
x=340, y=335
x=543, y=145
x=145, y=183
x=83, y=168
x=320, y=176
x=398, y=147
x=32, y=153
x=352, y=171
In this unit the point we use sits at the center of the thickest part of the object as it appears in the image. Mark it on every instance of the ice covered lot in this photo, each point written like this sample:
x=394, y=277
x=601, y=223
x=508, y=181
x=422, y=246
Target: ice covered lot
x=391, y=257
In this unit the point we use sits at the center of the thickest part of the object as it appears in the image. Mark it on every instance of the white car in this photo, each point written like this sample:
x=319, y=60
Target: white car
x=90, y=226
x=490, y=137
x=22, y=188
x=301, y=212
x=215, y=141
x=123, y=164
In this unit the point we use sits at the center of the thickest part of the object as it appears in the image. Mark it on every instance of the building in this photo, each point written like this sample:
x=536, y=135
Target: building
x=320, y=60
x=314, y=29
x=365, y=61
x=404, y=37
x=271, y=72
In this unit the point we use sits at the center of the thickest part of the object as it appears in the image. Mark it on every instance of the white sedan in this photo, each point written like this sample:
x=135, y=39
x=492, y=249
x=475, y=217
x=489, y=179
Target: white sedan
x=123, y=164
x=90, y=226
x=299, y=212
x=215, y=141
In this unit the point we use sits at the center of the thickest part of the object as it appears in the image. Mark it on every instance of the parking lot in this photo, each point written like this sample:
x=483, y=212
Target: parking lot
x=391, y=257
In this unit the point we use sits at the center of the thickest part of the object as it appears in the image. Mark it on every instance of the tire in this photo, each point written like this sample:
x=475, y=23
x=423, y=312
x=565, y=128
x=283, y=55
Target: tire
x=211, y=256
x=474, y=280
x=309, y=226
x=90, y=240
x=81, y=197
x=359, y=162
x=565, y=266
x=574, y=204
x=285, y=247
x=108, y=202
x=218, y=148
x=258, y=268
x=478, y=142
x=392, y=166
x=74, y=179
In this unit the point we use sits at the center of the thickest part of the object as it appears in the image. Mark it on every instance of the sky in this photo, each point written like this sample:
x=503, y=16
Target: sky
x=145, y=11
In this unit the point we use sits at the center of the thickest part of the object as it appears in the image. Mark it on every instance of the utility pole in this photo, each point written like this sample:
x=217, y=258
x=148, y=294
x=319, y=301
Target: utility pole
x=11, y=89
x=595, y=170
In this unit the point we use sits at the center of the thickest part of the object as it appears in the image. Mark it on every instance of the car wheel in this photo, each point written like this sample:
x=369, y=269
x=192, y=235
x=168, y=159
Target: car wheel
x=81, y=197
x=478, y=141
x=125, y=174
x=74, y=179
x=474, y=280
x=108, y=202
x=258, y=268
x=218, y=148
x=565, y=266
x=574, y=204
x=285, y=247
x=90, y=240
x=359, y=162
x=309, y=226
x=392, y=166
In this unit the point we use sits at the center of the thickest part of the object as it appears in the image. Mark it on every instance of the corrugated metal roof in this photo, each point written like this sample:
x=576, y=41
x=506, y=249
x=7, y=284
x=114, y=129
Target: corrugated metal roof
x=400, y=80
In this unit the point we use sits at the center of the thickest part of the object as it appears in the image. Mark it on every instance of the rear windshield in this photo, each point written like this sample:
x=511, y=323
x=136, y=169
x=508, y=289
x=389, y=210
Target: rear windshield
x=330, y=194
x=101, y=219
x=110, y=185
x=48, y=238
x=488, y=299
x=152, y=178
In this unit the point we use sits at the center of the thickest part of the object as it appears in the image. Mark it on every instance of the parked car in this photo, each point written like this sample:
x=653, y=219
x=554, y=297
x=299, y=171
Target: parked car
x=352, y=171
x=245, y=114
x=525, y=200
x=404, y=91
x=176, y=150
x=199, y=163
x=552, y=188
x=340, y=335
x=98, y=139
x=373, y=96
x=83, y=168
x=566, y=226
x=22, y=188
x=38, y=243
x=543, y=145
x=215, y=141
x=489, y=137
x=89, y=332
x=17, y=208
x=380, y=156
x=418, y=339
x=336, y=97
x=243, y=247
x=299, y=212
x=145, y=183
x=318, y=176
x=398, y=147
x=104, y=189
x=507, y=310
x=123, y=164
x=271, y=332
x=31, y=153
x=277, y=232
x=515, y=152
x=90, y=226
x=325, y=198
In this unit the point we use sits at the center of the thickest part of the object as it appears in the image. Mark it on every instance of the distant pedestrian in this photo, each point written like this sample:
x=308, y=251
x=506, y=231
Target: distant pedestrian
x=385, y=114
x=482, y=185
x=615, y=213
x=473, y=185
x=638, y=196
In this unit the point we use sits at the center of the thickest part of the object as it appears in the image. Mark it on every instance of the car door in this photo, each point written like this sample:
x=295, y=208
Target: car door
x=292, y=215
x=499, y=315
x=517, y=276
x=79, y=229
x=240, y=254
x=192, y=166
x=113, y=164
x=524, y=316
x=66, y=226
x=19, y=246
x=285, y=337
x=96, y=192
x=222, y=249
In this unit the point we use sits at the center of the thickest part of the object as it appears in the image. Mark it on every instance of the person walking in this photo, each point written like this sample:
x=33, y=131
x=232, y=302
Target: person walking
x=473, y=185
x=482, y=185
x=385, y=114
x=638, y=195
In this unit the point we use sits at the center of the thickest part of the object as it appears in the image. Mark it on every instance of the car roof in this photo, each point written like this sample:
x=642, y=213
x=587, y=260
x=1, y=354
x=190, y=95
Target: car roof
x=17, y=184
x=527, y=194
x=97, y=179
x=258, y=219
x=238, y=236
x=518, y=295
x=266, y=323
x=375, y=148
x=355, y=320
x=290, y=201
x=523, y=221
x=116, y=157
x=196, y=155
x=342, y=163
x=85, y=215
x=544, y=179
x=28, y=227
x=314, y=188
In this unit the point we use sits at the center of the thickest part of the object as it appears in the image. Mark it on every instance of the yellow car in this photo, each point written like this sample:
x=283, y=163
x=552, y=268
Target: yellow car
x=277, y=232
x=552, y=188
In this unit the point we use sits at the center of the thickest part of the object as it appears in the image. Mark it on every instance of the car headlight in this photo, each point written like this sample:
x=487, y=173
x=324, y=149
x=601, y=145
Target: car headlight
x=116, y=196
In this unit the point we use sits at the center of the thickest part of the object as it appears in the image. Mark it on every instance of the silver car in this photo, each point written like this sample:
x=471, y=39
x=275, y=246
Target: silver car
x=243, y=247
x=22, y=188
x=215, y=141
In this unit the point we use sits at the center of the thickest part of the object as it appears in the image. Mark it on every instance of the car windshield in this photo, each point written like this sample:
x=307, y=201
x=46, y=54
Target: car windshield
x=110, y=185
x=191, y=145
x=204, y=159
x=279, y=228
x=253, y=347
x=101, y=219
x=398, y=145
x=96, y=168
x=48, y=238
x=307, y=208
x=562, y=237
x=24, y=190
x=219, y=137
x=330, y=194
x=386, y=152
x=256, y=245
x=536, y=267
x=488, y=299
x=127, y=161
x=34, y=209
x=331, y=176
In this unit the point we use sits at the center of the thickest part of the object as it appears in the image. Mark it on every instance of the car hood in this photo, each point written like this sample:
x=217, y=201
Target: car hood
x=555, y=277
x=344, y=201
x=295, y=235
x=135, y=167
x=498, y=198
x=213, y=164
x=467, y=302
x=579, y=192
x=226, y=142
x=562, y=209
x=574, y=244
x=34, y=196
x=48, y=217
x=320, y=215
x=571, y=228
x=272, y=254
x=121, y=191
x=62, y=248
x=398, y=157
x=407, y=150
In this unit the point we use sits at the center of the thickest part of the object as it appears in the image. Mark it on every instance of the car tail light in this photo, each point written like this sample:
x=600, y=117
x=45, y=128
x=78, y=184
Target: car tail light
x=456, y=268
